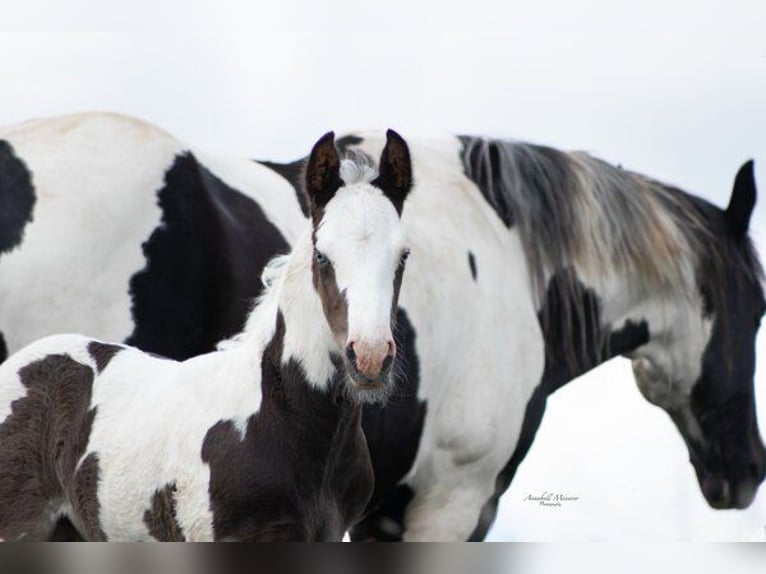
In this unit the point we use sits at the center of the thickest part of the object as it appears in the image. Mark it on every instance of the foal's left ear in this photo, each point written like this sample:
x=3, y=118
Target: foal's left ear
x=323, y=172
x=395, y=170
x=742, y=200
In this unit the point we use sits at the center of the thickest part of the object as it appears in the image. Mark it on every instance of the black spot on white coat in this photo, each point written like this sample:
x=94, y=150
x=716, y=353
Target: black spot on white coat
x=472, y=264
x=161, y=519
x=17, y=198
x=3, y=348
x=102, y=353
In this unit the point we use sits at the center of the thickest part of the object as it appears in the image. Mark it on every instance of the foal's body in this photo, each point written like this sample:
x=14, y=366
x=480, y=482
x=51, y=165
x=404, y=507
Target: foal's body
x=121, y=417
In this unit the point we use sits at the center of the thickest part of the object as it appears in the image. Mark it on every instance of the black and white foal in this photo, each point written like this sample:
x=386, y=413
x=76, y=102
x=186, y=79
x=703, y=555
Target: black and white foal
x=259, y=441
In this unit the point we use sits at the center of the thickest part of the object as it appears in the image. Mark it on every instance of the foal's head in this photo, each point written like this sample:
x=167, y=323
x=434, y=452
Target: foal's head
x=703, y=375
x=360, y=251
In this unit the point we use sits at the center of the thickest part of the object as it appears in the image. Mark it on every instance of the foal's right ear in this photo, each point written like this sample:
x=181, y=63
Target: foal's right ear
x=322, y=172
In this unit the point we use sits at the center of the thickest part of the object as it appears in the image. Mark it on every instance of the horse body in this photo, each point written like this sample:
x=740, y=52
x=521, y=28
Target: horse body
x=122, y=218
x=569, y=262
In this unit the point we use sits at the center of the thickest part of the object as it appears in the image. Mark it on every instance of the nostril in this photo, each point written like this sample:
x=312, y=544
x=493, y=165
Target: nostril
x=391, y=351
x=387, y=362
x=350, y=353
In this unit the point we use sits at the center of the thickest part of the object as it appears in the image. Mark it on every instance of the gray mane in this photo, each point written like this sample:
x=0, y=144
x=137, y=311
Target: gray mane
x=576, y=211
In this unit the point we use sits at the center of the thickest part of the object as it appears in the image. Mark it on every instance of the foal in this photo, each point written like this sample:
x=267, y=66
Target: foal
x=259, y=441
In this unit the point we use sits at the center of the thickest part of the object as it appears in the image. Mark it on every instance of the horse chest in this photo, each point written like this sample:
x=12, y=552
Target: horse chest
x=307, y=455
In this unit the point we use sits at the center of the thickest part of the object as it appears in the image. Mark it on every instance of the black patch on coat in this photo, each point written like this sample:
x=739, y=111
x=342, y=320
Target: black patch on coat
x=203, y=264
x=345, y=142
x=41, y=442
x=472, y=264
x=3, y=348
x=292, y=172
x=393, y=434
x=591, y=342
x=83, y=495
x=161, y=519
x=302, y=472
x=17, y=198
x=102, y=353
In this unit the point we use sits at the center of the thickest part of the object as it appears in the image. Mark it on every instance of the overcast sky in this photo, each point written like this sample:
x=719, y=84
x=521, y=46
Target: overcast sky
x=676, y=90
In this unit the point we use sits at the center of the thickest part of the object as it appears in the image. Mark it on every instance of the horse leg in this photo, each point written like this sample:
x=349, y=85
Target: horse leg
x=64, y=531
x=468, y=447
x=386, y=522
x=447, y=512
x=26, y=513
x=29, y=502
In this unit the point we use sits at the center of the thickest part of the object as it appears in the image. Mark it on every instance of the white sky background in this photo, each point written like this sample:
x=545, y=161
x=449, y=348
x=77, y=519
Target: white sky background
x=673, y=89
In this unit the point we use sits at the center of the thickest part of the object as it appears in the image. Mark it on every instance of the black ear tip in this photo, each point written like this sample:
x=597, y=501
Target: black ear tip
x=327, y=140
x=329, y=137
x=745, y=178
x=747, y=169
x=391, y=135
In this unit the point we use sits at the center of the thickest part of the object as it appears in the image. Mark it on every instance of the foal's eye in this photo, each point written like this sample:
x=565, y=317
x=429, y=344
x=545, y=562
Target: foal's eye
x=404, y=257
x=321, y=258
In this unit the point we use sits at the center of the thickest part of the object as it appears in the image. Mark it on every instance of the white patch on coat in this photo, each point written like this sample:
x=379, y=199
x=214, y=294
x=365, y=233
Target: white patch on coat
x=95, y=178
x=176, y=404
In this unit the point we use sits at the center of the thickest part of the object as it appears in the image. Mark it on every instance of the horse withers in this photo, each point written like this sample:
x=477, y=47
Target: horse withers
x=261, y=440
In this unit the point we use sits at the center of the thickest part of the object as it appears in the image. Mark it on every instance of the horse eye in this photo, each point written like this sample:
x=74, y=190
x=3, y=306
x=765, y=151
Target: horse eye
x=405, y=256
x=321, y=258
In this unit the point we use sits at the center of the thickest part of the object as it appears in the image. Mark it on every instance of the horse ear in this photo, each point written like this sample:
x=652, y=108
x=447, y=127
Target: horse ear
x=395, y=170
x=322, y=178
x=742, y=200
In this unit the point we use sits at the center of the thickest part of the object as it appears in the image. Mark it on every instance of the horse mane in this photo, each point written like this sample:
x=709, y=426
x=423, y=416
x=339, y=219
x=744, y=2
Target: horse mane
x=573, y=210
x=264, y=307
x=357, y=167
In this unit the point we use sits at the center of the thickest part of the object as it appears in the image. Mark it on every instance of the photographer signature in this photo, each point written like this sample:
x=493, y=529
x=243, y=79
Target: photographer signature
x=551, y=499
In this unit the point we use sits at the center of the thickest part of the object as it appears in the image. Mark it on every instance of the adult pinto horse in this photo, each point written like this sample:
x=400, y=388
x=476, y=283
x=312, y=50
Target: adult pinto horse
x=535, y=263
x=261, y=441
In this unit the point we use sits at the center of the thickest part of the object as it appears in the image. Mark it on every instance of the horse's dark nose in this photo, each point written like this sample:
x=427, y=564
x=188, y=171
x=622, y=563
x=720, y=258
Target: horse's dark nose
x=717, y=491
x=371, y=359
